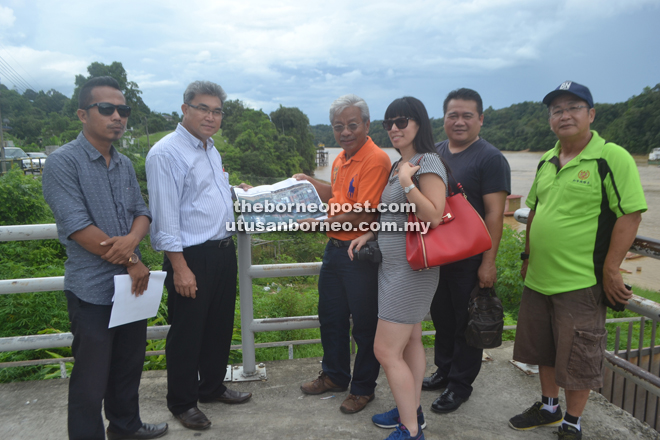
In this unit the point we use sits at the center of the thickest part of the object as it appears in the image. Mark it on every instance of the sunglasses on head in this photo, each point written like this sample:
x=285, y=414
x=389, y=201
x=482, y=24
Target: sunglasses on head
x=400, y=123
x=107, y=109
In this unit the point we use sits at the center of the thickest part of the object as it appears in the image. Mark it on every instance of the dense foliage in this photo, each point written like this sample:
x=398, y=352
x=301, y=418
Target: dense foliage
x=38, y=119
x=253, y=146
x=634, y=124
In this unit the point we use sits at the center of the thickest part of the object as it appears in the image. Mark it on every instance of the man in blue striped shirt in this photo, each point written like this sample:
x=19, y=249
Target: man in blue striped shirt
x=190, y=199
x=101, y=218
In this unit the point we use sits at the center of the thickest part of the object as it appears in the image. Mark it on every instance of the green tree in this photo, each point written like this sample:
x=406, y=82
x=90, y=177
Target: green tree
x=130, y=89
x=323, y=134
x=290, y=121
x=253, y=145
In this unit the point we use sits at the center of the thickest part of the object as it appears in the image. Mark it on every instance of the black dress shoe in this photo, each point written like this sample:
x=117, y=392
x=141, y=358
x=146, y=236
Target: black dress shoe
x=435, y=382
x=147, y=430
x=229, y=396
x=447, y=402
x=193, y=419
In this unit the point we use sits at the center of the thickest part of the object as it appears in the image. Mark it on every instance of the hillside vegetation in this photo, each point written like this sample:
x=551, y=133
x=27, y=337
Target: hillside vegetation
x=634, y=124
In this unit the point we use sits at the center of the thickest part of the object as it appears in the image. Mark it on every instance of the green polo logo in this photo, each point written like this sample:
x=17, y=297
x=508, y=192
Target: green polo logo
x=583, y=175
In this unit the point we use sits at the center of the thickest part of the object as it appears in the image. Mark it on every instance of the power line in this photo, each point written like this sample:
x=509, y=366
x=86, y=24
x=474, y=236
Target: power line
x=16, y=77
x=19, y=65
x=9, y=76
x=13, y=74
x=7, y=82
x=16, y=73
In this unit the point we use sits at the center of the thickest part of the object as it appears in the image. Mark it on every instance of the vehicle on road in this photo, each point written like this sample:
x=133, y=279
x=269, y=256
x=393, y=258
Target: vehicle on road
x=654, y=157
x=15, y=154
x=38, y=159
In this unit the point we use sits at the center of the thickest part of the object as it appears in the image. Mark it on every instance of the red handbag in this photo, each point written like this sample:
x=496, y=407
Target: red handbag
x=462, y=234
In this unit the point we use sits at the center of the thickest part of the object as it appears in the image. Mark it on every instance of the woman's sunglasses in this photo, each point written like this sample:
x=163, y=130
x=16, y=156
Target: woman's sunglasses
x=107, y=109
x=401, y=123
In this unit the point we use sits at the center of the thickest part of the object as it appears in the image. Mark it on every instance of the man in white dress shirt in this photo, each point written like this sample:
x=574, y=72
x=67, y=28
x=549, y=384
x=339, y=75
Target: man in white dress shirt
x=190, y=197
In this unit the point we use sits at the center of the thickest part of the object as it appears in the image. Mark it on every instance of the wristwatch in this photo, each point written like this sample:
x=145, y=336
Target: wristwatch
x=524, y=256
x=407, y=189
x=134, y=259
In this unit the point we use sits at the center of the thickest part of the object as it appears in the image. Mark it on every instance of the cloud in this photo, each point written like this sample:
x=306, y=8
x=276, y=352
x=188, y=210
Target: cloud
x=304, y=53
x=7, y=17
x=44, y=70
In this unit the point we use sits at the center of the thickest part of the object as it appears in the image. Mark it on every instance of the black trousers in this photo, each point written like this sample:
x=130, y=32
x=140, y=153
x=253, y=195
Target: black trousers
x=348, y=288
x=107, y=370
x=201, y=329
x=455, y=359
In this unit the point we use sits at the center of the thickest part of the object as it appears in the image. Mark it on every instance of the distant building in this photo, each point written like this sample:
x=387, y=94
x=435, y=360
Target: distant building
x=50, y=148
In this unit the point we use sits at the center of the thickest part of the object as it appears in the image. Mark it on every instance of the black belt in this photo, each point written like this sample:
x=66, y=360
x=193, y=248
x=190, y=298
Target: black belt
x=340, y=243
x=217, y=243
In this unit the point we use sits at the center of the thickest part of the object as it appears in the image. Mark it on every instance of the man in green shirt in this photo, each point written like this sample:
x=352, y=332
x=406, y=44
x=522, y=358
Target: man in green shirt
x=586, y=204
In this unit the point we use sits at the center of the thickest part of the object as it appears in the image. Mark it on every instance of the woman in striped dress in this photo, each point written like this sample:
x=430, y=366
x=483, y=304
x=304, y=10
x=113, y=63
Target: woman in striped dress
x=404, y=295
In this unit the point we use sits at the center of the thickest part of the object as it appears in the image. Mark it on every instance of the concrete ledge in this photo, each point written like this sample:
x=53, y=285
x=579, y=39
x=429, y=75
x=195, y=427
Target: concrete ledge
x=279, y=410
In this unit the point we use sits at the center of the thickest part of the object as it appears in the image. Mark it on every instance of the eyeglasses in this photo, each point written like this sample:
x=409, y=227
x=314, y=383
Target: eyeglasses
x=400, y=123
x=351, y=127
x=218, y=113
x=107, y=109
x=572, y=110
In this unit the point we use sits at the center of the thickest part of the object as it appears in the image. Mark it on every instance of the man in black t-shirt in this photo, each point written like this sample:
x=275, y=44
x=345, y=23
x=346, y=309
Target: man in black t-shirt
x=485, y=175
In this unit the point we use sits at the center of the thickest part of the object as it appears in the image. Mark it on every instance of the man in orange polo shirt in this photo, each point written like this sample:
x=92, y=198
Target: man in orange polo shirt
x=346, y=287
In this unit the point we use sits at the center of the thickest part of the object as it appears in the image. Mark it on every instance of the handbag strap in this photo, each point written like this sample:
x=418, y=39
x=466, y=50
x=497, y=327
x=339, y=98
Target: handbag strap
x=389, y=176
x=451, y=192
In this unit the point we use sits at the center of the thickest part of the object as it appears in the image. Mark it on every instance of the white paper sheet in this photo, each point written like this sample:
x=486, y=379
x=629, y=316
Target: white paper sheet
x=127, y=307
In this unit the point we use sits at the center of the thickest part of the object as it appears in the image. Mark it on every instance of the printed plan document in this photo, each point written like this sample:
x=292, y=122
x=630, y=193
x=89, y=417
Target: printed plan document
x=285, y=201
x=127, y=307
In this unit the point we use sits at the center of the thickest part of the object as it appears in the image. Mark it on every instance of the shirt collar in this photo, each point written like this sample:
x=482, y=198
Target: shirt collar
x=593, y=150
x=362, y=152
x=93, y=153
x=192, y=140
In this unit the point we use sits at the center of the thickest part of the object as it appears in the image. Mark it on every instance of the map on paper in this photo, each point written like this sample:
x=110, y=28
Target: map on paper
x=288, y=200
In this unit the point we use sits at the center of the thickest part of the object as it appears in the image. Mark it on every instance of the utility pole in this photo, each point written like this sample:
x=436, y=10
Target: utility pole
x=146, y=129
x=2, y=145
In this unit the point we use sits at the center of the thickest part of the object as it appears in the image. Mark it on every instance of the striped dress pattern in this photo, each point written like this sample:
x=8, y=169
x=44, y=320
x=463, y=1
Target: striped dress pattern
x=404, y=295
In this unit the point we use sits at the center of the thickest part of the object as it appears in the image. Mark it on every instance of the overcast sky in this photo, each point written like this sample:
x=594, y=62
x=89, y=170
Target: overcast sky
x=305, y=53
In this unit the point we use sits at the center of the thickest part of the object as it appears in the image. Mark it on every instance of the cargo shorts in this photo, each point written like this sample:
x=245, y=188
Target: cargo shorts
x=565, y=331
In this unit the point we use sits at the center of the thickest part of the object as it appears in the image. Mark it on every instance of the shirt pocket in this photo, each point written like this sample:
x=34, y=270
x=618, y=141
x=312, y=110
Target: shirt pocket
x=577, y=199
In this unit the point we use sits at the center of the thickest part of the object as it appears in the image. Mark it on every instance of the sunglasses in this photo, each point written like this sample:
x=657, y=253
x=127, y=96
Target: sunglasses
x=400, y=123
x=107, y=109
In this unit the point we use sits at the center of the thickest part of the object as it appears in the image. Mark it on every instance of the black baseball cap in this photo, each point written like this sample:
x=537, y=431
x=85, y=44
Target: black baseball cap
x=573, y=88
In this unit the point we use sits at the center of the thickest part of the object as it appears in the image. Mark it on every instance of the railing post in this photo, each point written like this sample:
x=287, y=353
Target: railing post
x=247, y=307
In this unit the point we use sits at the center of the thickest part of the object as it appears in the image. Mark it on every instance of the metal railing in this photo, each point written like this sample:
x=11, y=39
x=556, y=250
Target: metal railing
x=249, y=325
x=28, y=167
x=632, y=382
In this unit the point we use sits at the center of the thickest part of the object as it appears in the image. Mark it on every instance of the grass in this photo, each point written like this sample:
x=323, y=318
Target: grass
x=140, y=145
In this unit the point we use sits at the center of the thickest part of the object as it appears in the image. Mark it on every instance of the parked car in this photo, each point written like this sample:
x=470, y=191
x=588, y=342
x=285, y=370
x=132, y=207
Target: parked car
x=15, y=153
x=654, y=157
x=38, y=159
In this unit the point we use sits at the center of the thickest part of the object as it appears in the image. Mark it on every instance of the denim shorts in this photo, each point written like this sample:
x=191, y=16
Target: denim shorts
x=565, y=331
